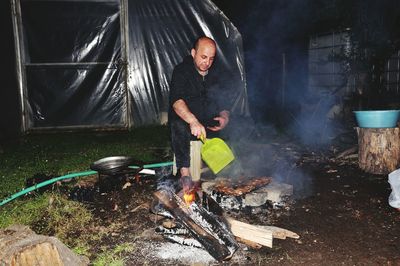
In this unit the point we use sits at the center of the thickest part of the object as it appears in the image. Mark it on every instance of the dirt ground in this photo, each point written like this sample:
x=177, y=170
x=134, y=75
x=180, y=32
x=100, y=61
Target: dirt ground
x=341, y=214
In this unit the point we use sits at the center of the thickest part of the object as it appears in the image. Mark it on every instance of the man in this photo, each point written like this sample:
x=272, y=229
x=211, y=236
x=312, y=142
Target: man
x=194, y=110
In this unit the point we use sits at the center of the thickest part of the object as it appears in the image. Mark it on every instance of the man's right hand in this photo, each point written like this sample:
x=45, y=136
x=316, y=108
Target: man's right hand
x=182, y=110
x=197, y=129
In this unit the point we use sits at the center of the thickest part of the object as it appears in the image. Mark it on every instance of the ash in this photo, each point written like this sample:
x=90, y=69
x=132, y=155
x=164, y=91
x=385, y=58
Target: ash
x=184, y=254
x=239, y=203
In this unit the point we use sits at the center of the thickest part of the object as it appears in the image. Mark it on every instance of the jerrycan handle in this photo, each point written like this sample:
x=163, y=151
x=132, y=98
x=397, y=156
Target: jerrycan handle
x=202, y=138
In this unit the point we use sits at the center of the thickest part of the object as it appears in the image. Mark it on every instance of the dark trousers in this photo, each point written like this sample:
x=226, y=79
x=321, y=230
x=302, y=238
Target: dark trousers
x=180, y=141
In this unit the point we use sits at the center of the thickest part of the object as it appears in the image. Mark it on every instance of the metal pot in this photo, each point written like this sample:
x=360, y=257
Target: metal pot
x=116, y=165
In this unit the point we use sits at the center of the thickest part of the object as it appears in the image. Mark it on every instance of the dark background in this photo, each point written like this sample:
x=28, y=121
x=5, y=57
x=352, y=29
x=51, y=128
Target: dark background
x=269, y=28
x=9, y=106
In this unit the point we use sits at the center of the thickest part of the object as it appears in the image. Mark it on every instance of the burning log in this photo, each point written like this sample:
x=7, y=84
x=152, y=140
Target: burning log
x=205, y=227
x=251, y=235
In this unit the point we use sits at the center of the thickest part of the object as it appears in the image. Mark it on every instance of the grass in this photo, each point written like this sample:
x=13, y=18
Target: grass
x=50, y=214
x=55, y=155
x=114, y=257
x=60, y=154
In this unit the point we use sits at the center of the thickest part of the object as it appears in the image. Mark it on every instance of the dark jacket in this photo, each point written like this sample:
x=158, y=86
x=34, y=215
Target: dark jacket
x=198, y=92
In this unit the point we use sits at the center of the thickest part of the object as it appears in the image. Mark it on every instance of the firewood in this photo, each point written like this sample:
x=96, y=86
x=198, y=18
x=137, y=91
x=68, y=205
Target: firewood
x=279, y=233
x=260, y=234
x=169, y=224
x=172, y=231
x=250, y=232
x=249, y=243
x=213, y=235
x=191, y=242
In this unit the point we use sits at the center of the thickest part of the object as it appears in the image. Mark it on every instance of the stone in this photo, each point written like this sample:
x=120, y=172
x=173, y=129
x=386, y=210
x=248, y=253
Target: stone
x=273, y=192
x=276, y=191
x=255, y=199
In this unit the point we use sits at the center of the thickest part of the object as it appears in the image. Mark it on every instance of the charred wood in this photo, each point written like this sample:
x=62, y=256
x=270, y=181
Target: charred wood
x=191, y=242
x=213, y=234
x=172, y=231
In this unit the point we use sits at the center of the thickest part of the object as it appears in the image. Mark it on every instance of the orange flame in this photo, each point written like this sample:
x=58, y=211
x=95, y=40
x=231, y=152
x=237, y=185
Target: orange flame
x=189, y=197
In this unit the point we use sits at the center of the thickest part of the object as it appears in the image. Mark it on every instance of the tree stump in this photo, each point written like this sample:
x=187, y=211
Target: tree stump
x=378, y=149
x=19, y=245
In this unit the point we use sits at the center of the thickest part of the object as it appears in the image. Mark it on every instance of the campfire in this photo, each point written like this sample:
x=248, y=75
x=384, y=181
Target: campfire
x=189, y=197
x=201, y=222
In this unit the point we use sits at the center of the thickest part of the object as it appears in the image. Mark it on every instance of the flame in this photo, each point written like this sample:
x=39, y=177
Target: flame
x=189, y=197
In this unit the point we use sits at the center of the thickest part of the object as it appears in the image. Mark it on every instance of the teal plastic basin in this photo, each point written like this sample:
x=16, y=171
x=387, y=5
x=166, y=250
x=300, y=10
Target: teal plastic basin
x=377, y=118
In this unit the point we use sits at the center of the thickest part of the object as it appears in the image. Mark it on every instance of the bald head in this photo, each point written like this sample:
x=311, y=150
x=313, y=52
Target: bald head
x=204, y=40
x=203, y=54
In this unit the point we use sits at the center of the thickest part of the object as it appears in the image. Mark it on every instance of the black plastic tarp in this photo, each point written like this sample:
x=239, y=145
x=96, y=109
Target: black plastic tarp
x=108, y=63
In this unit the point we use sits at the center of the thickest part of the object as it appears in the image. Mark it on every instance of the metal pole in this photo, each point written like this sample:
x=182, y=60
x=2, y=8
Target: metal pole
x=19, y=57
x=125, y=58
x=283, y=79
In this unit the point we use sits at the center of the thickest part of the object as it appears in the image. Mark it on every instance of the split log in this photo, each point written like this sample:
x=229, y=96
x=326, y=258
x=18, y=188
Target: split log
x=260, y=234
x=279, y=233
x=213, y=234
x=249, y=243
x=379, y=149
x=250, y=232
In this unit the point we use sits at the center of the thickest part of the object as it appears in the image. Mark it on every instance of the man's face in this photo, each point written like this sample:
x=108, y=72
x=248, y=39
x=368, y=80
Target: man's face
x=204, y=56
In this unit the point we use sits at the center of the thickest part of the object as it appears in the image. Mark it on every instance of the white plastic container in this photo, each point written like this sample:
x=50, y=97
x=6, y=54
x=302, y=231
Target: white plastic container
x=394, y=181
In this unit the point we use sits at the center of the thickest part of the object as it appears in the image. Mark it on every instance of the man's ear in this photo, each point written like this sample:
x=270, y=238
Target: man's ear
x=193, y=52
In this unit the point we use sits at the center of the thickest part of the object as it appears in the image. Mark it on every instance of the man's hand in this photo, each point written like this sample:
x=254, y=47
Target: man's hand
x=186, y=183
x=190, y=186
x=223, y=120
x=182, y=110
x=197, y=129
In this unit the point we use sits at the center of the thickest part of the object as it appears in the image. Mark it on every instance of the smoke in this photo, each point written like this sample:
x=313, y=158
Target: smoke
x=276, y=38
x=265, y=153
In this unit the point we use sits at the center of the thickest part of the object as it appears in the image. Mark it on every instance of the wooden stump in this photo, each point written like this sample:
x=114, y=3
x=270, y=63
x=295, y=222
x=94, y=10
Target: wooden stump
x=21, y=246
x=378, y=149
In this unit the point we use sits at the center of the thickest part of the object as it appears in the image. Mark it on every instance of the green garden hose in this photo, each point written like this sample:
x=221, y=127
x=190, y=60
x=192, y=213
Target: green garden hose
x=73, y=175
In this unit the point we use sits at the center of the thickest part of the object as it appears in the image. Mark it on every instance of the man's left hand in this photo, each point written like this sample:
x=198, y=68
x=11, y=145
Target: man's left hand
x=223, y=120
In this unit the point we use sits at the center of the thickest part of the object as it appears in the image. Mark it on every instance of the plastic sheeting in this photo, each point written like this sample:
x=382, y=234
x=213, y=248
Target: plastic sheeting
x=108, y=63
